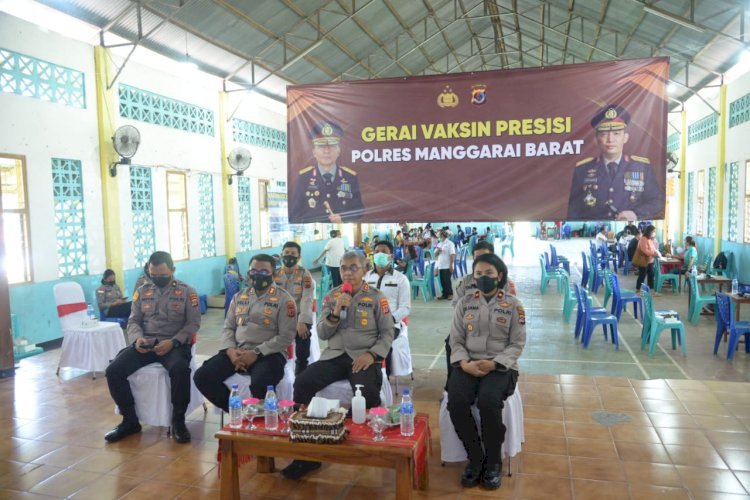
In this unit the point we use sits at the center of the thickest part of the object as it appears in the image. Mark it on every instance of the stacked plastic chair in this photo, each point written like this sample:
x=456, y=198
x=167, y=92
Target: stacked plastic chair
x=592, y=320
x=583, y=309
x=657, y=323
x=548, y=276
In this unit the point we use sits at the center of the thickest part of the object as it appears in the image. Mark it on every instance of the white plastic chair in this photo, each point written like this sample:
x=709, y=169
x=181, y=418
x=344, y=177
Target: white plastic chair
x=401, y=365
x=451, y=448
x=152, y=392
x=89, y=348
x=342, y=391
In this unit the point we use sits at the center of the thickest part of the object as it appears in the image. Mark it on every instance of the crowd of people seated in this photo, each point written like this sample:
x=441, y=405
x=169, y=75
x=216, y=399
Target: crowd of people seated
x=360, y=318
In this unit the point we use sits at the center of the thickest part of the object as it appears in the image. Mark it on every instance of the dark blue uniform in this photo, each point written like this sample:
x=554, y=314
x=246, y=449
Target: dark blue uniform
x=596, y=195
x=312, y=190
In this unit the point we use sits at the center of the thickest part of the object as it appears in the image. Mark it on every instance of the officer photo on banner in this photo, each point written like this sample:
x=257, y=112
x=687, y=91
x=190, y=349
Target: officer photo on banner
x=326, y=191
x=614, y=185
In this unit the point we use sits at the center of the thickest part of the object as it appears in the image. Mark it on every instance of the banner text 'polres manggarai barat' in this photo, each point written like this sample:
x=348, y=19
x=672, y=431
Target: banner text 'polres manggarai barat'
x=467, y=130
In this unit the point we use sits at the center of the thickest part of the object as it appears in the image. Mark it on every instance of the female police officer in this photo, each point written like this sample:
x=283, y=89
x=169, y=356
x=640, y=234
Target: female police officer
x=487, y=336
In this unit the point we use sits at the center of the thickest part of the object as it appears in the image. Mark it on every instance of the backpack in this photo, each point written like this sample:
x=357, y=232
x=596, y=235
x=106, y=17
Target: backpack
x=720, y=262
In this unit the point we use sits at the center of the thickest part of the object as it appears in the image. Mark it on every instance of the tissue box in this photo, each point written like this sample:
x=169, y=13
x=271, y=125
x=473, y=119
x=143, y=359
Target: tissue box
x=328, y=430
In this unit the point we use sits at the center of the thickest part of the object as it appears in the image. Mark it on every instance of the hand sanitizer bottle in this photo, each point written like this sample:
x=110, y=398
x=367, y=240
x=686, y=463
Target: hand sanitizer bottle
x=358, y=406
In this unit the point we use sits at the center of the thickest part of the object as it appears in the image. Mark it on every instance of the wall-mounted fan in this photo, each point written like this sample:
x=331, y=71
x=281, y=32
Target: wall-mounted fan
x=239, y=160
x=125, y=141
x=672, y=164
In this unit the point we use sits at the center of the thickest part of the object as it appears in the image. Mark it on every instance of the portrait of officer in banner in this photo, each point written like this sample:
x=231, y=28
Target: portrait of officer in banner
x=326, y=191
x=614, y=185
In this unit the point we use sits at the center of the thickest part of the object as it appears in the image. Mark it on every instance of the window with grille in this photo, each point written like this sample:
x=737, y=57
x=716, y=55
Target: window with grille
x=208, y=230
x=690, y=202
x=747, y=202
x=15, y=213
x=70, y=222
x=142, y=206
x=177, y=216
x=700, y=202
x=265, y=220
x=245, y=214
x=31, y=77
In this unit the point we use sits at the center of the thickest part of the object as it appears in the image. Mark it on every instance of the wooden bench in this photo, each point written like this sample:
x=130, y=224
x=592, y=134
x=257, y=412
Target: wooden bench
x=265, y=448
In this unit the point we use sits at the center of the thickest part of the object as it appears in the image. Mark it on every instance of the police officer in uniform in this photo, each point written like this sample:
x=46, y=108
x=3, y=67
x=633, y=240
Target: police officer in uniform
x=614, y=186
x=488, y=334
x=109, y=297
x=326, y=191
x=259, y=327
x=165, y=315
x=298, y=281
x=359, y=331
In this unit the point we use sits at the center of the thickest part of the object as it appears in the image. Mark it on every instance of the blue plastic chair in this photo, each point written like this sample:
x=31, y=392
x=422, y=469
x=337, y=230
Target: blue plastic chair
x=622, y=297
x=433, y=282
x=657, y=323
x=581, y=311
x=558, y=260
x=420, y=284
x=569, y=297
x=231, y=287
x=725, y=321
x=585, y=270
x=591, y=321
x=627, y=265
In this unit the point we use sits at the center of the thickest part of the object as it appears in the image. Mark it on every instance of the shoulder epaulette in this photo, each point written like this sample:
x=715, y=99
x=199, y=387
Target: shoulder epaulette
x=584, y=161
x=305, y=170
x=348, y=170
x=641, y=159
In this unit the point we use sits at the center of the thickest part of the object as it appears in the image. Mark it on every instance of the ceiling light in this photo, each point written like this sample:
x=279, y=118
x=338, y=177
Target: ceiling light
x=671, y=88
x=671, y=17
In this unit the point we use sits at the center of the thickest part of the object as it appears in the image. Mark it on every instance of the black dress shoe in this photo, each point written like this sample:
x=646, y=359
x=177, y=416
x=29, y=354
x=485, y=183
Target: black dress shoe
x=299, y=468
x=491, y=477
x=471, y=476
x=180, y=431
x=123, y=430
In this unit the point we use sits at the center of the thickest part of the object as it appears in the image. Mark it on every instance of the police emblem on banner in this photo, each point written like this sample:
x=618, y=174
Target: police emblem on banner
x=447, y=98
x=479, y=94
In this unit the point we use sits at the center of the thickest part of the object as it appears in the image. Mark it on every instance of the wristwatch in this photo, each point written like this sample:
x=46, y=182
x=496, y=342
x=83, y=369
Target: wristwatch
x=258, y=352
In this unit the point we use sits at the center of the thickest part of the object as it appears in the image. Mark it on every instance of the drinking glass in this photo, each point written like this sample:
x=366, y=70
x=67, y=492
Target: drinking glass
x=286, y=408
x=377, y=423
x=249, y=411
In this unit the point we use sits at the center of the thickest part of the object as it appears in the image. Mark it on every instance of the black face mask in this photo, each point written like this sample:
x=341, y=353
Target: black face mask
x=290, y=260
x=485, y=284
x=106, y=282
x=260, y=281
x=161, y=281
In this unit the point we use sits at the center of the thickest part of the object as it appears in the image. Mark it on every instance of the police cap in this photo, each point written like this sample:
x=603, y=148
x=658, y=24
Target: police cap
x=325, y=133
x=611, y=117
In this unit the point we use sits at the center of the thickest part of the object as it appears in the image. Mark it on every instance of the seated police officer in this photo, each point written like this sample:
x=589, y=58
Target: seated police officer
x=259, y=327
x=488, y=334
x=298, y=281
x=165, y=315
x=468, y=285
x=109, y=298
x=359, y=331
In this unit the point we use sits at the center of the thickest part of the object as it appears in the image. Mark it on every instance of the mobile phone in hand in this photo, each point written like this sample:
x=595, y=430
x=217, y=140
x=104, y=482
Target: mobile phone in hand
x=148, y=345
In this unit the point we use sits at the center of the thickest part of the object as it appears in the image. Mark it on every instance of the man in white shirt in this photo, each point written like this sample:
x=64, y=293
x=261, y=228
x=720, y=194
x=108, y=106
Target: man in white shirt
x=445, y=252
x=394, y=285
x=333, y=251
x=601, y=236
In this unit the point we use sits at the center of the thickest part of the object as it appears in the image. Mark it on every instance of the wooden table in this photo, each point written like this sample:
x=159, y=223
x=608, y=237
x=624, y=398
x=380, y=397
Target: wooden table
x=670, y=262
x=715, y=280
x=737, y=303
x=265, y=447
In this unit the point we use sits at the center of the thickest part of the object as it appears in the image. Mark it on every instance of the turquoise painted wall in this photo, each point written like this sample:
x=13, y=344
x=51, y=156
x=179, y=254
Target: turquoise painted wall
x=36, y=312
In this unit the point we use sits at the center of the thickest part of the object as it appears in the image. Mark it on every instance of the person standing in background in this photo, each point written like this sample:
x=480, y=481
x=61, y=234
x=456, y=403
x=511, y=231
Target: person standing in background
x=445, y=253
x=333, y=252
x=648, y=245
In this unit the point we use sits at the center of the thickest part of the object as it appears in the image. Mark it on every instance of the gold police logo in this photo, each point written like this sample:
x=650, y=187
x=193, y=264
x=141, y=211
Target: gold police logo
x=327, y=129
x=610, y=114
x=447, y=98
x=479, y=94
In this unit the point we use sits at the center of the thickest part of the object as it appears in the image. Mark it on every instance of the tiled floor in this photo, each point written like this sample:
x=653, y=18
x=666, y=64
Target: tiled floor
x=684, y=428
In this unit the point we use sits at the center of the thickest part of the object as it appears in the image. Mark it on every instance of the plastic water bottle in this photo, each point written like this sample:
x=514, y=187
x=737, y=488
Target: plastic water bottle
x=735, y=286
x=235, y=407
x=90, y=312
x=271, y=409
x=407, y=414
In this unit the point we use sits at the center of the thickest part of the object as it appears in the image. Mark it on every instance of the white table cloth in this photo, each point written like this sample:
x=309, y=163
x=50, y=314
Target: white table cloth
x=91, y=349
